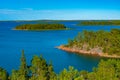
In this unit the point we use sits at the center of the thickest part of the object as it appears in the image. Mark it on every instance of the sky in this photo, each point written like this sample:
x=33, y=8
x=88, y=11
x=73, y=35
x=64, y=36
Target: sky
x=59, y=9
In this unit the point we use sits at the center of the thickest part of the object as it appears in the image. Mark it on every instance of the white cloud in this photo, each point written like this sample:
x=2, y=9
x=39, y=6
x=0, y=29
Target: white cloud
x=29, y=13
x=7, y=11
x=22, y=11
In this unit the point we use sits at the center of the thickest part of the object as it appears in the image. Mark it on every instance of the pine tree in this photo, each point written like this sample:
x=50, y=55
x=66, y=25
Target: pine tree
x=3, y=74
x=23, y=66
x=22, y=73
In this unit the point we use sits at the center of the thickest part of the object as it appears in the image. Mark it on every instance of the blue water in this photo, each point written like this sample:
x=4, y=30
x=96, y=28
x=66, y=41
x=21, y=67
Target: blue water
x=43, y=43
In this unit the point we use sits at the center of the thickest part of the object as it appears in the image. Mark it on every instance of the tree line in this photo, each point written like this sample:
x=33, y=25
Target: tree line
x=40, y=70
x=100, y=22
x=40, y=26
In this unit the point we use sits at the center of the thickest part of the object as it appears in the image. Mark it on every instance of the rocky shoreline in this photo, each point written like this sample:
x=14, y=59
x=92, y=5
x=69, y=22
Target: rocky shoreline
x=78, y=51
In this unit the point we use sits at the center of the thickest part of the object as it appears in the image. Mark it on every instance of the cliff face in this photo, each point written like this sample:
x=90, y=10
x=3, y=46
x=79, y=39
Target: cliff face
x=96, y=50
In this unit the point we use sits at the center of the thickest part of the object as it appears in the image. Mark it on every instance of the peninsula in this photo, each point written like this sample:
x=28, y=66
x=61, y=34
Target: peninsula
x=40, y=27
x=100, y=43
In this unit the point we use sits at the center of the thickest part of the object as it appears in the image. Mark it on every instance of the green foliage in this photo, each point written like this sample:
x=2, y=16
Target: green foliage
x=22, y=73
x=23, y=66
x=14, y=75
x=51, y=73
x=69, y=74
x=39, y=70
x=40, y=27
x=107, y=70
x=84, y=74
x=3, y=74
x=107, y=42
x=100, y=22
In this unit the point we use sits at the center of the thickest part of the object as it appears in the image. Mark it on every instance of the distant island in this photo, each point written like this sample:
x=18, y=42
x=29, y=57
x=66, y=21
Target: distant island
x=99, y=43
x=99, y=22
x=40, y=27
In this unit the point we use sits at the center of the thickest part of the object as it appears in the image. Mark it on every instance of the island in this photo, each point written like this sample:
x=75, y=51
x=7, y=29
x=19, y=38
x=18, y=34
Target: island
x=41, y=27
x=99, y=22
x=99, y=43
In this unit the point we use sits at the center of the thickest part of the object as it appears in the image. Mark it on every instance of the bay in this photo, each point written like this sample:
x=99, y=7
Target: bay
x=44, y=43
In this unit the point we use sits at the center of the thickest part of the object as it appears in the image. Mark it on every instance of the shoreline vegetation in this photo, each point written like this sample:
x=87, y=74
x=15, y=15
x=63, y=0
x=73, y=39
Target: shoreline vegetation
x=40, y=69
x=41, y=27
x=84, y=52
x=99, y=22
x=100, y=43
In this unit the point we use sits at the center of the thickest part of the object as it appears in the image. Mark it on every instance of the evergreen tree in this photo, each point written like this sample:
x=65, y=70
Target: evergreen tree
x=23, y=65
x=3, y=74
x=15, y=75
x=38, y=68
x=51, y=74
x=69, y=74
x=22, y=73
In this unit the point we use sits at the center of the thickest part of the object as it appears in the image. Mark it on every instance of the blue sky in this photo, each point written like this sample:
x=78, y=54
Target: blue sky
x=59, y=9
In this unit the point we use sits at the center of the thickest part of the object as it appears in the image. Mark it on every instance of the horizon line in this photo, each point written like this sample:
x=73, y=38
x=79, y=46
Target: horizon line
x=64, y=20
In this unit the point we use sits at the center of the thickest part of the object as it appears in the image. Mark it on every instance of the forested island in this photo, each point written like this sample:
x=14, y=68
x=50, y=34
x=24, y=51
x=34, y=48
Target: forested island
x=100, y=22
x=40, y=27
x=99, y=43
x=39, y=69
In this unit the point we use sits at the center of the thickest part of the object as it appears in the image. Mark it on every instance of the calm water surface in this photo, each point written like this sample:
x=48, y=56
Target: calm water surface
x=43, y=43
